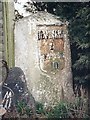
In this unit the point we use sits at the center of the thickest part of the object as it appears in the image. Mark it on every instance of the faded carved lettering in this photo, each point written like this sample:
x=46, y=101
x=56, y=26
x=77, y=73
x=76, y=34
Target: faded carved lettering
x=51, y=46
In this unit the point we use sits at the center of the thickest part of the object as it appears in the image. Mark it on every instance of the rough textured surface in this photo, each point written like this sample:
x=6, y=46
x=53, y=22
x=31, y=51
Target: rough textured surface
x=45, y=88
x=17, y=83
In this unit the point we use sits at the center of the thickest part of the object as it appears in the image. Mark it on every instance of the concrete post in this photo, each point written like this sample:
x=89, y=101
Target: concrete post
x=8, y=17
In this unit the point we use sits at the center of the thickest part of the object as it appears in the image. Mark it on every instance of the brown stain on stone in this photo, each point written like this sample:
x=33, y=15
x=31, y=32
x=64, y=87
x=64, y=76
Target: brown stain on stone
x=57, y=45
x=51, y=45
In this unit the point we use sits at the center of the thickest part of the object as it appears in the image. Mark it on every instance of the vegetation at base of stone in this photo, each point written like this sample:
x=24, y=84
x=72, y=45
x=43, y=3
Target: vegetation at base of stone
x=77, y=14
x=69, y=110
x=40, y=108
x=23, y=108
x=59, y=111
x=64, y=109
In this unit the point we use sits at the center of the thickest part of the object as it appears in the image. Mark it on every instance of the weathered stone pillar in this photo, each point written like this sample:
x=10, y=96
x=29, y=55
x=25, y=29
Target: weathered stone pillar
x=42, y=50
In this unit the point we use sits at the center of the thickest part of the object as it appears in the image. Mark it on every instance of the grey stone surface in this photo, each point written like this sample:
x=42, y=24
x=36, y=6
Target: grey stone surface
x=0, y=6
x=0, y=14
x=1, y=21
x=0, y=25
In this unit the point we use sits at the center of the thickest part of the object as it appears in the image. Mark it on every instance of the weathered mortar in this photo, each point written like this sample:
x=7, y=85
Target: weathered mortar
x=46, y=87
